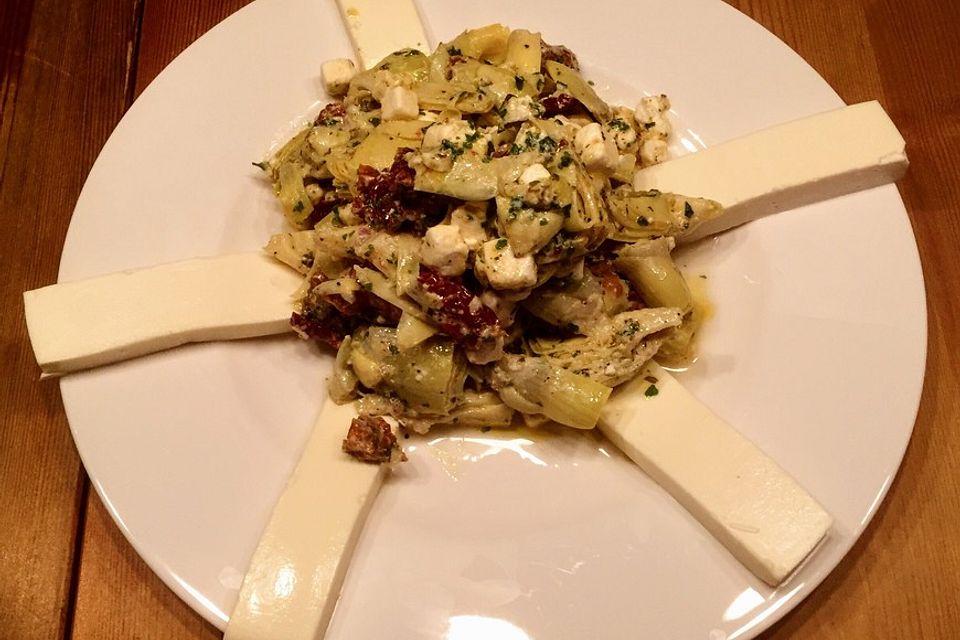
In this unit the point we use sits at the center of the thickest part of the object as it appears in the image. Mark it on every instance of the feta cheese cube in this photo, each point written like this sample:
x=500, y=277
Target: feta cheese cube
x=588, y=135
x=400, y=103
x=650, y=114
x=502, y=269
x=337, y=74
x=533, y=173
x=444, y=248
x=469, y=219
x=597, y=153
x=653, y=151
x=520, y=108
x=440, y=140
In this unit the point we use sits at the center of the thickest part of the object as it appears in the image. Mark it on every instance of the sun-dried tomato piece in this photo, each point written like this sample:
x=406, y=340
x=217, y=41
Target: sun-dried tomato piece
x=608, y=277
x=457, y=311
x=387, y=200
x=323, y=323
x=562, y=104
x=370, y=439
x=330, y=115
x=558, y=53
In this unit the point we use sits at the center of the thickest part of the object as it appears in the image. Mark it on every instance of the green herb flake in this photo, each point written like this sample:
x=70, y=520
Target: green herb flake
x=547, y=145
x=565, y=160
x=298, y=207
x=687, y=210
x=518, y=80
x=651, y=391
x=501, y=244
x=643, y=221
x=618, y=124
x=263, y=166
x=543, y=222
x=375, y=121
x=453, y=51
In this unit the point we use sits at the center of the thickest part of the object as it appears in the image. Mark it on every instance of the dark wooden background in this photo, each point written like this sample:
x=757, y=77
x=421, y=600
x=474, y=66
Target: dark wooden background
x=70, y=68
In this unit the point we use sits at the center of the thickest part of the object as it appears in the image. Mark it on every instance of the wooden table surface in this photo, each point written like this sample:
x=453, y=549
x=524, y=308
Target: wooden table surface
x=72, y=67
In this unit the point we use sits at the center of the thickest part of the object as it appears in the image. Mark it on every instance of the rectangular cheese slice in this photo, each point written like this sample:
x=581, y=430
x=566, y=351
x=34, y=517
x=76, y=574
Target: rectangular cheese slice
x=786, y=166
x=87, y=323
x=379, y=27
x=292, y=584
x=740, y=495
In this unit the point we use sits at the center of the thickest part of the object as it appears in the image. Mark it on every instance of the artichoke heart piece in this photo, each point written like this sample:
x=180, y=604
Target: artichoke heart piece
x=533, y=384
x=295, y=249
x=527, y=230
x=470, y=179
x=487, y=43
x=292, y=193
x=645, y=214
x=428, y=377
x=523, y=51
x=379, y=149
x=650, y=268
x=577, y=87
x=614, y=352
x=406, y=63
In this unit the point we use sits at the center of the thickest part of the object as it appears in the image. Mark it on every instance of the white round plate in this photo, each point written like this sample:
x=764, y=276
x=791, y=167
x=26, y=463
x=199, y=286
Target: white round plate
x=816, y=353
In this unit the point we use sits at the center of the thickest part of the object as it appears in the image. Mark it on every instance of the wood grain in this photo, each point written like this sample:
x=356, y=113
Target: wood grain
x=71, y=68
x=62, y=94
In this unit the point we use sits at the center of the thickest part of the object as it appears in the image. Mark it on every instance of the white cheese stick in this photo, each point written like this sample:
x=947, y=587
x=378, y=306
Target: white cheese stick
x=87, y=323
x=379, y=27
x=740, y=495
x=786, y=166
x=292, y=584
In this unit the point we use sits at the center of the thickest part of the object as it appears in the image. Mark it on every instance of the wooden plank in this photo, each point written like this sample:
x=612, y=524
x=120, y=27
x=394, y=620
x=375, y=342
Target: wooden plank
x=120, y=597
x=61, y=95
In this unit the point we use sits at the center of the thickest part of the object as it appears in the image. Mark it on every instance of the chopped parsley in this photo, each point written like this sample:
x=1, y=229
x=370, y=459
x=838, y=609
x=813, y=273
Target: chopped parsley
x=298, y=207
x=263, y=166
x=501, y=244
x=643, y=221
x=565, y=160
x=651, y=391
x=518, y=80
x=547, y=144
x=687, y=210
x=618, y=124
x=375, y=121
x=453, y=51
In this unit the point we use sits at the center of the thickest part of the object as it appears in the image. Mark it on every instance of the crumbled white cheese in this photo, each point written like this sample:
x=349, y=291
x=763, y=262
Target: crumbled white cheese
x=502, y=269
x=503, y=307
x=597, y=153
x=533, y=173
x=651, y=116
x=439, y=142
x=347, y=216
x=588, y=135
x=314, y=192
x=469, y=218
x=400, y=103
x=337, y=74
x=444, y=248
x=520, y=108
x=653, y=151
